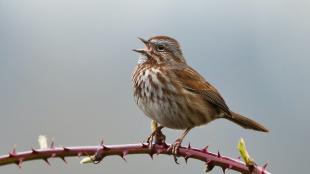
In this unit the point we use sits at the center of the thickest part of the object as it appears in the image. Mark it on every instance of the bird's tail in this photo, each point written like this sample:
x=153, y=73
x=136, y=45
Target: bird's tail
x=246, y=122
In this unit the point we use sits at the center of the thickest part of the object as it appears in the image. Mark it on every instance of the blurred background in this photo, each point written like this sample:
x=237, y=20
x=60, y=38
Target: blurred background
x=65, y=72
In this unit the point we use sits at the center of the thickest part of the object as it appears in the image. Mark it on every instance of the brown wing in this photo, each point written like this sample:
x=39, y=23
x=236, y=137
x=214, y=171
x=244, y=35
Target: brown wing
x=194, y=82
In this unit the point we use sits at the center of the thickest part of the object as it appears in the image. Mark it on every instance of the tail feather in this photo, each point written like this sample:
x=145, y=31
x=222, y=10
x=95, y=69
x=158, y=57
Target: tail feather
x=246, y=122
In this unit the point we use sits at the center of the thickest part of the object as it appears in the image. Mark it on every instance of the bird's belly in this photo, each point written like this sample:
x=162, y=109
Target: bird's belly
x=169, y=106
x=174, y=113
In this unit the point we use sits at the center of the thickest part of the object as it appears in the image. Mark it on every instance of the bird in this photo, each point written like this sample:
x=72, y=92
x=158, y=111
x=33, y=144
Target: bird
x=174, y=95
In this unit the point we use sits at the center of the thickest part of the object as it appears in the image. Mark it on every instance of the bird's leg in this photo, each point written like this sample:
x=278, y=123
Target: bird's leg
x=176, y=145
x=156, y=133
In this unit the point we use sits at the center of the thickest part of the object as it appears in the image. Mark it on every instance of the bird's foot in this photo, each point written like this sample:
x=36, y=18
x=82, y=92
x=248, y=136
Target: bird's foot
x=157, y=136
x=174, y=148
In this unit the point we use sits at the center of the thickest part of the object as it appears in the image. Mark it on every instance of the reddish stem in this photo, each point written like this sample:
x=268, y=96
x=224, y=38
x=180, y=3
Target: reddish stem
x=211, y=159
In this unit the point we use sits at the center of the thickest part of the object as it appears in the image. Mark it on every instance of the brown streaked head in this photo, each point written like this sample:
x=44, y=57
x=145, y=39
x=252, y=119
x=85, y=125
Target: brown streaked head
x=162, y=49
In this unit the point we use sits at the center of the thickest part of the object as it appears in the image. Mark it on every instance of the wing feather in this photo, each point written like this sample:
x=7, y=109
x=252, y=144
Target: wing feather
x=194, y=82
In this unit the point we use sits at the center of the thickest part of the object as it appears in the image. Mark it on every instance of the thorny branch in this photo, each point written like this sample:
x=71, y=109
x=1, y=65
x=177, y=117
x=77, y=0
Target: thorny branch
x=211, y=159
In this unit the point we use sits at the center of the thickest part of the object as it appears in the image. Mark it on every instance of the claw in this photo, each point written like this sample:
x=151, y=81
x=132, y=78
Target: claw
x=149, y=141
x=175, y=159
x=177, y=144
x=157, y=136
x=174, y=148
x=97, y=158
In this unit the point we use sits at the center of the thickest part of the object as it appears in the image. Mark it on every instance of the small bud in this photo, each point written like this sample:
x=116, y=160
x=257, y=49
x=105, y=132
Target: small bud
x=244, y=153
x=89, y=159
x=42, y=142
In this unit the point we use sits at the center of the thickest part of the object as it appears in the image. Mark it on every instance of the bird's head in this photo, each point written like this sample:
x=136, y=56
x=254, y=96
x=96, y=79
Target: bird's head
x=161, y=49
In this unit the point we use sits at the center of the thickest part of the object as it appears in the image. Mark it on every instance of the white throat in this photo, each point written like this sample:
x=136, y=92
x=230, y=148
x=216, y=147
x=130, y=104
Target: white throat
x=143, y=58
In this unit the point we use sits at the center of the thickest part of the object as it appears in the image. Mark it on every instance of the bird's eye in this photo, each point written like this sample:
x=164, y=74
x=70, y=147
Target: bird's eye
x=160, y=47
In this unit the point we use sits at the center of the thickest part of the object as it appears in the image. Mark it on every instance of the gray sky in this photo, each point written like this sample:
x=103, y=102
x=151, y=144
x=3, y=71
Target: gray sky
x=65, y=69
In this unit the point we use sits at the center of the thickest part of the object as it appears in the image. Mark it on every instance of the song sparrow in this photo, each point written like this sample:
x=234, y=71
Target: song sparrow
x=174, y=95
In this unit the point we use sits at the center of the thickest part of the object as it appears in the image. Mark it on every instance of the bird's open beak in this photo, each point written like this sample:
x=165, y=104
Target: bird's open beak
x=144, y=41
x=143, y=51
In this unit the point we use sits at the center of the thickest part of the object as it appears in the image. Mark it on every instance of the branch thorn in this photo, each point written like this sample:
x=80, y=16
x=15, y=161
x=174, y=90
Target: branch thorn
x=52, y=146
x=46, y=161
x=123, y=157
x=66, y=148
x=63, y=159
x=143, y=145
x=103, y=146
x=101, y=142
x=13, y=152
x=205, y=149
x=125, y=152
x=189, y=146
x=34, y=151
x=186, y=158
x=264, y=168
x=19, y=163
x=218, y=154
x=188, y=155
